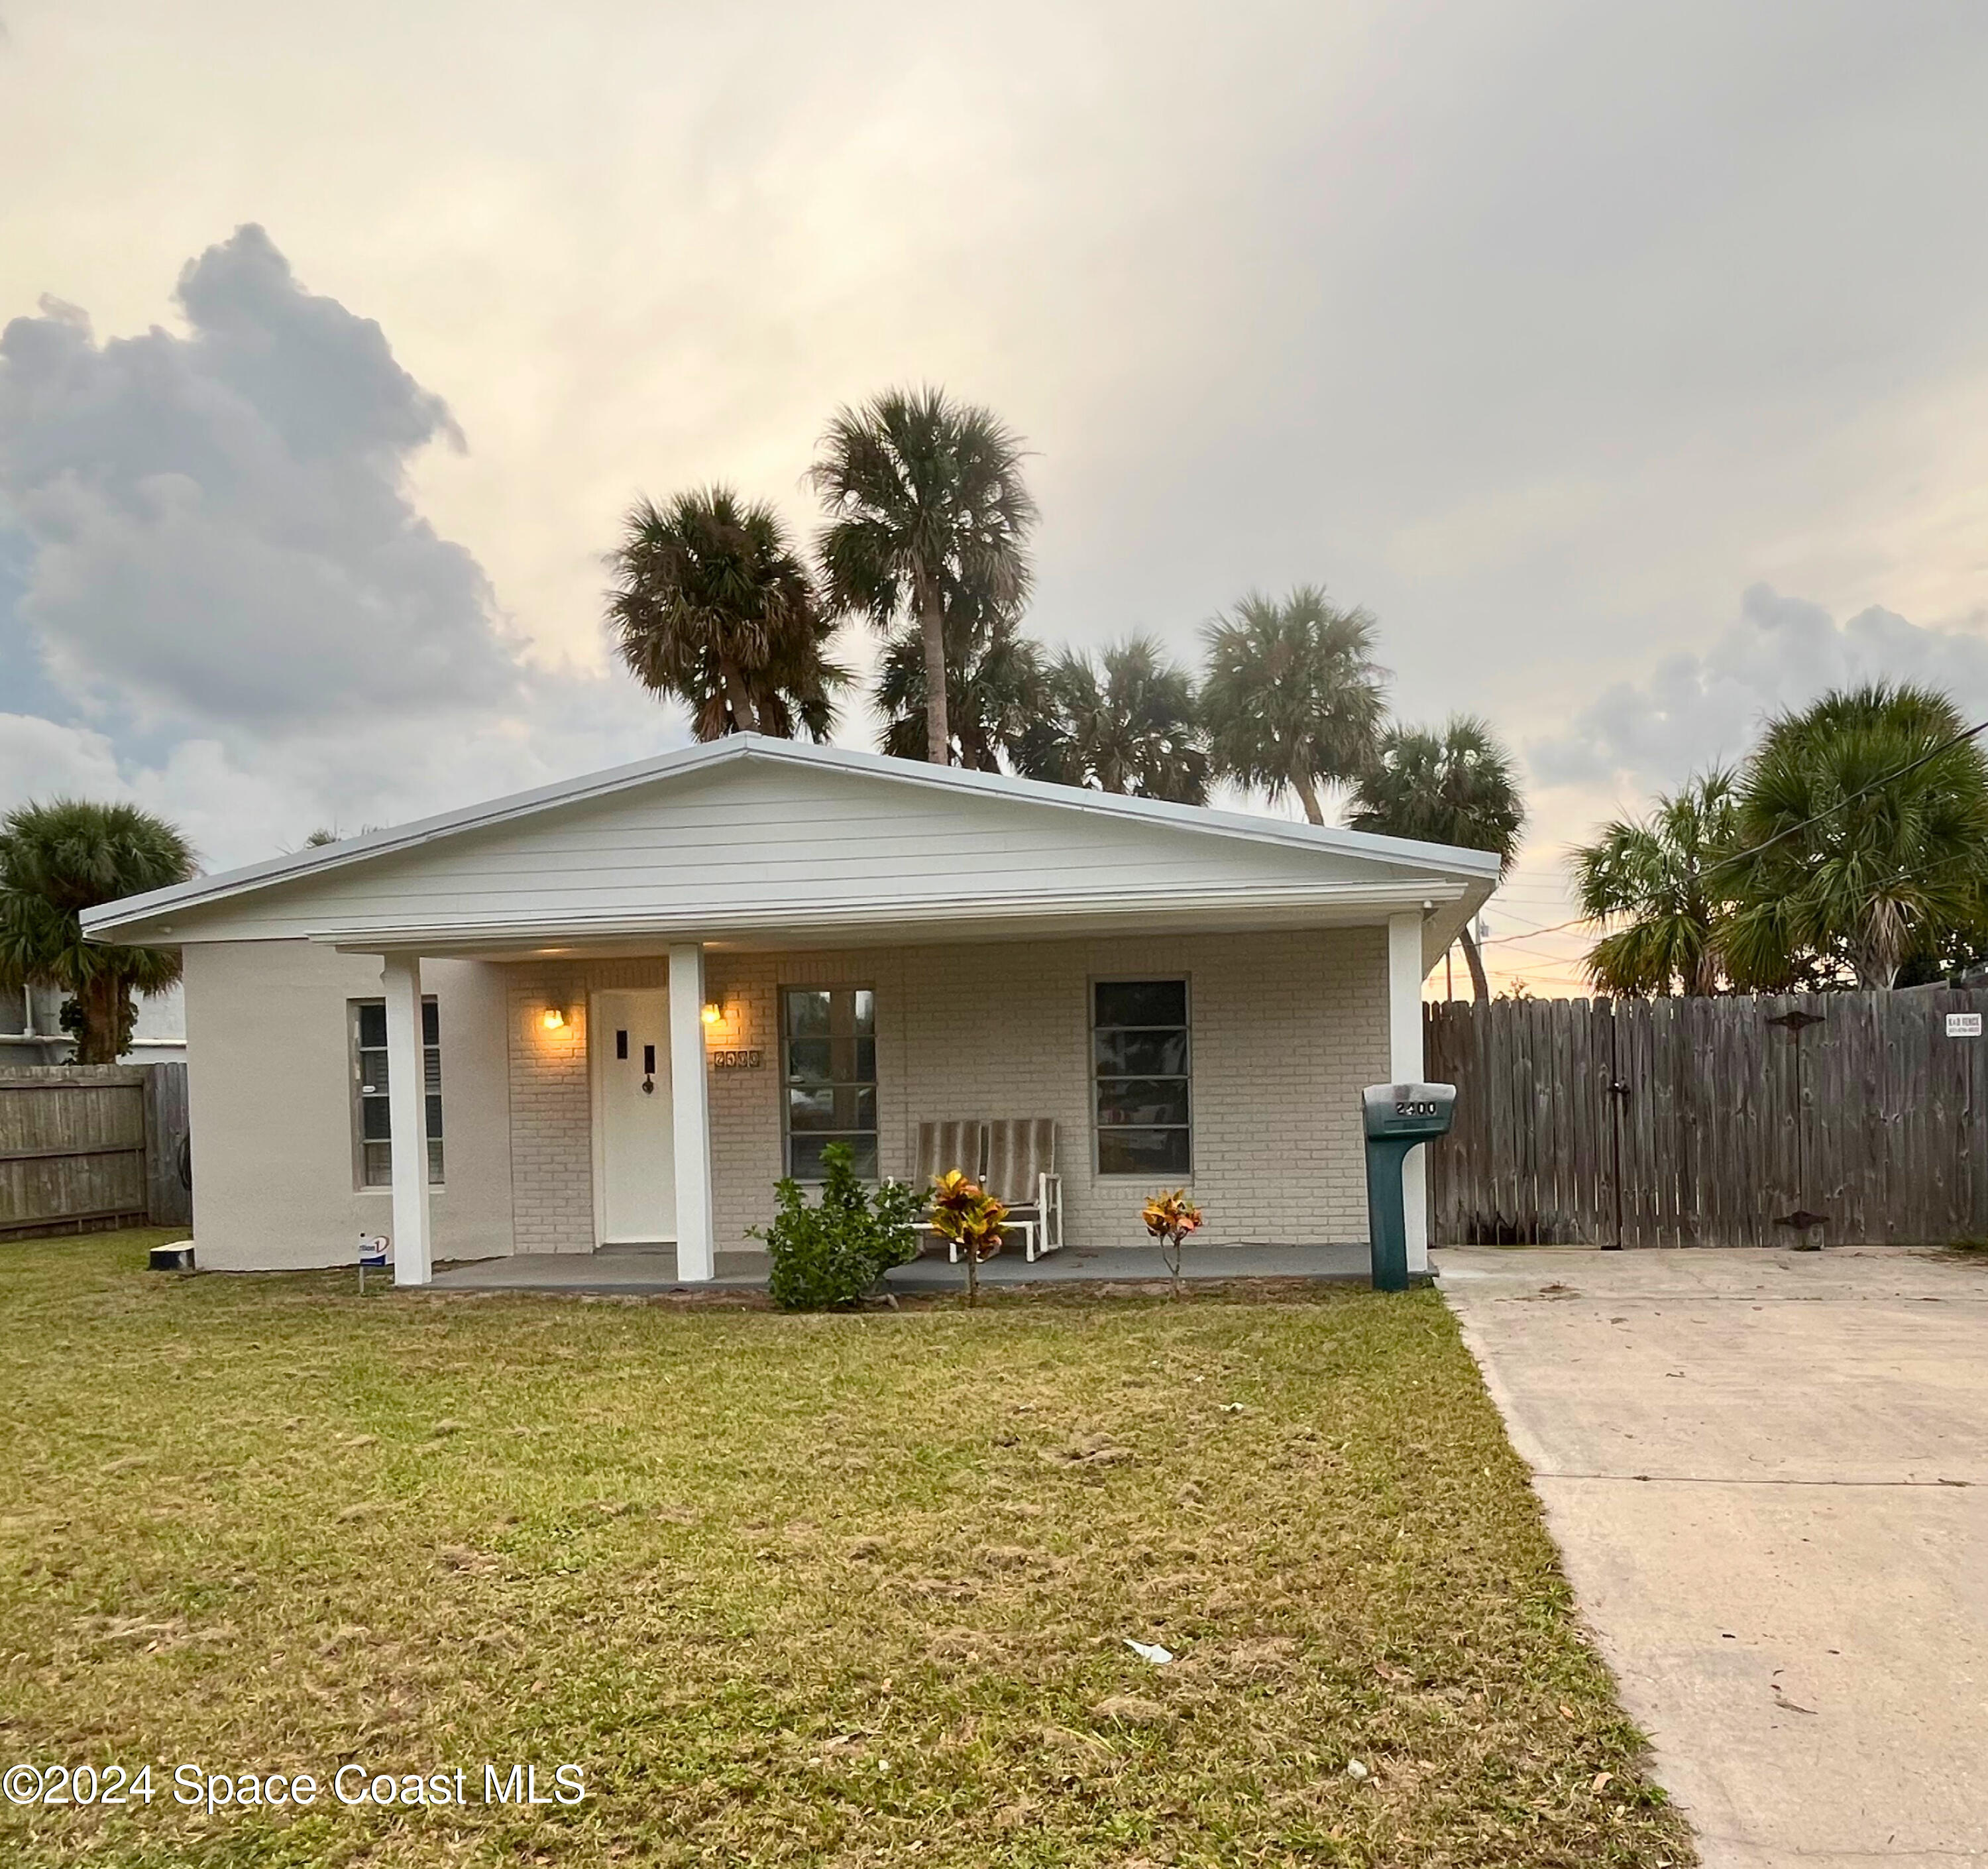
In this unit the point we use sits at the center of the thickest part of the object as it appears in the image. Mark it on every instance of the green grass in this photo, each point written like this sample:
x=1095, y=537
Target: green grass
x=841, y=1591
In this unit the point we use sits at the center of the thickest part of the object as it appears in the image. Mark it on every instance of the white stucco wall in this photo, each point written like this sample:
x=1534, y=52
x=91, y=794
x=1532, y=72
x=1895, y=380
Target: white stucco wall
x=1287, y=1028
x=269, y=1088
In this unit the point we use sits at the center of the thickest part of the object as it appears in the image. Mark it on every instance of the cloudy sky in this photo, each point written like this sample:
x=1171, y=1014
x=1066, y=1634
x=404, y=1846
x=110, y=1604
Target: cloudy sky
x=1631, y=364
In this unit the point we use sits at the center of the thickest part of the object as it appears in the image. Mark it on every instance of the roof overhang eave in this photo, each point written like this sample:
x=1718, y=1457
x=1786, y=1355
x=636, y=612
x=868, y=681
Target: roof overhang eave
x=1445, y=902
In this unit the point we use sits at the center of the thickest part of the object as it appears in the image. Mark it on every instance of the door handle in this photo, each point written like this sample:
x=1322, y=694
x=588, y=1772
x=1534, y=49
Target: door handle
x=648, y=1071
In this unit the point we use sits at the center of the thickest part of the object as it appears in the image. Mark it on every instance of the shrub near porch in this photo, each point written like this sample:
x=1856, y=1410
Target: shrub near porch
x=819, y=1589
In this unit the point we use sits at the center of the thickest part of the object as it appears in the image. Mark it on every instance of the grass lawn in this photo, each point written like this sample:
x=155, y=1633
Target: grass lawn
x=841, y=1590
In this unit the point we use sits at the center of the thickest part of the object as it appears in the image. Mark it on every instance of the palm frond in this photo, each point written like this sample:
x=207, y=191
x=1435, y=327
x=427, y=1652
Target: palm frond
x=711, y=606
x=1456, y=786
x=1864, y=823
x=1291, y=697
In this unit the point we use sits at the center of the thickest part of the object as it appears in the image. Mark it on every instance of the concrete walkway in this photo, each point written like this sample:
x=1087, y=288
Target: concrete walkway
x=1768, y=1472
x=632, y=1271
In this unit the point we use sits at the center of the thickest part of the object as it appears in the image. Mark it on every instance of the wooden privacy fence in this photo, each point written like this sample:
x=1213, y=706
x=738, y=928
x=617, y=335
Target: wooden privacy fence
x=87, y=1146
x=1834, y=1118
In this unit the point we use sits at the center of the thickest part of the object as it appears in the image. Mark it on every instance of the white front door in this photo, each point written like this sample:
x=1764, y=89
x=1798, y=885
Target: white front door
x=628, y=1040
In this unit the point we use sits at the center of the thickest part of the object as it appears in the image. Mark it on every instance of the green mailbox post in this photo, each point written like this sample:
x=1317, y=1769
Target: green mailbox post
x=1399, y=1117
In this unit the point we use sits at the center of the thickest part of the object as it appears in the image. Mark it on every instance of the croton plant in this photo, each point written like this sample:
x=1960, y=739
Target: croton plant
x=1170, y=1218
x=964, y=1213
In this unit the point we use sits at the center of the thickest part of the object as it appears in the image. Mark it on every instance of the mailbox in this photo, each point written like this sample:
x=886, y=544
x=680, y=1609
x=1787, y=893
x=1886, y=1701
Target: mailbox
x=1399, y=1117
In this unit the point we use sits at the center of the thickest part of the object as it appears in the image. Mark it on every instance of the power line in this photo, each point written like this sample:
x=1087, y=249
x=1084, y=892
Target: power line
x=1741, y=856
x=1566, y=963
x=1884, y=778
x=1526, y=934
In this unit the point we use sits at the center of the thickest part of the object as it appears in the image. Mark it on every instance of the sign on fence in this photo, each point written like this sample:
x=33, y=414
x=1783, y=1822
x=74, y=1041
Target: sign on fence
x=1963, y=1025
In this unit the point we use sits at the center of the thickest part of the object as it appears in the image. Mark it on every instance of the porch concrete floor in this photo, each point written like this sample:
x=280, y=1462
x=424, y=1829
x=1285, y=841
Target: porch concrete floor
x=629, y=1269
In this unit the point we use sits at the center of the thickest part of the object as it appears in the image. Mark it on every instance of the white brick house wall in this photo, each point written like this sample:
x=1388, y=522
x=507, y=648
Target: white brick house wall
x=1287, y=1028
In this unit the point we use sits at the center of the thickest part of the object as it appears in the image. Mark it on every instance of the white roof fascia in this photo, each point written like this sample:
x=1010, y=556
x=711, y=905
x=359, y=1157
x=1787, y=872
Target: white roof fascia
x=1024, y=911
x=109, y=918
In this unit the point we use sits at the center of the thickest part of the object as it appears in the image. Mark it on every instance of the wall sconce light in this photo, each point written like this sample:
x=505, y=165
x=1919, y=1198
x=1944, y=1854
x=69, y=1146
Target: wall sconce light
x=713, y=1013
x=554, y=1017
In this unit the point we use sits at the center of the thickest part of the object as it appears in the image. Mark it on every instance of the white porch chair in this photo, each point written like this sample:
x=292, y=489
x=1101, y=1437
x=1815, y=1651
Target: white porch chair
x=1021, y=1174
x=937, y=1148
x=1013, y=1158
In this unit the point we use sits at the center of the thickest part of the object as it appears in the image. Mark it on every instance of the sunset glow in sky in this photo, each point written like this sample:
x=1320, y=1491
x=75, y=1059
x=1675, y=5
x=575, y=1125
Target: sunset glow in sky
x=1630, y=365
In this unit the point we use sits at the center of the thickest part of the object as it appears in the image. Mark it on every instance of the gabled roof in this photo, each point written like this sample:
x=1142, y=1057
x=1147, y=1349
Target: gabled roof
x=402, y=851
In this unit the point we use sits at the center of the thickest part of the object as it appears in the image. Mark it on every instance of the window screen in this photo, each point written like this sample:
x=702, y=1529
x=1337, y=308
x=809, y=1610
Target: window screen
x=1140, y=1059
x=829, y=1065
x=373, y=1139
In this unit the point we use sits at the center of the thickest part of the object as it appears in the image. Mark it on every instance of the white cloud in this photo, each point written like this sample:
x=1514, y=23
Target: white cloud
x=1692, y=710
x=240, y=800
x=39, y=758
x=229, y=588
x=218, y=523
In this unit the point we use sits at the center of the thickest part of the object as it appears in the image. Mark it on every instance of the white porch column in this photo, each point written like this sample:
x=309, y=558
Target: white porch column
x=1405, y=1054
x=696, y=1245
x=407, y=1112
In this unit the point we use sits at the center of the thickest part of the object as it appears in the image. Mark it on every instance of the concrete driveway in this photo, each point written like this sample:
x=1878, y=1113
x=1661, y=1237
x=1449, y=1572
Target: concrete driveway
x=1768, y=1472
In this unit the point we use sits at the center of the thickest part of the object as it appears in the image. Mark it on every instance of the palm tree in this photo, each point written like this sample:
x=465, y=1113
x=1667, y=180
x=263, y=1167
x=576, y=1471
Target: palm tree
x=925, y=500
x=1456, y=786
x=711, y=607
x=1864, y=823
x=1292, y=698
x=60, y=859
x=997, y=693
x=1131, y=727
x=1662, y=886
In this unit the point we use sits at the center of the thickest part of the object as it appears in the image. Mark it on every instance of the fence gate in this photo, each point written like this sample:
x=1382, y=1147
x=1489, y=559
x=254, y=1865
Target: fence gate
x=1743, y=1121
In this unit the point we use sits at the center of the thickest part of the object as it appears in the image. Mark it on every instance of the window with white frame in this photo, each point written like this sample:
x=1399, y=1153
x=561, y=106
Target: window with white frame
x=828, y=1064
x=372, y=1127
x=1140, y=1063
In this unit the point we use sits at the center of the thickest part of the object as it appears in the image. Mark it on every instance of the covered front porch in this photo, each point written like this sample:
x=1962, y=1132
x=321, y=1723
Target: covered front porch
x=653, y=1100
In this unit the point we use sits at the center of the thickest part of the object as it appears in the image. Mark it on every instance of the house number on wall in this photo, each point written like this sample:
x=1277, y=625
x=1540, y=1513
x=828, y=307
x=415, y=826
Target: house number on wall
x=737, y=1061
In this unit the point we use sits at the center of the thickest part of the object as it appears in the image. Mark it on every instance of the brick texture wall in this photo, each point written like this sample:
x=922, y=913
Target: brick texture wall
x=1286, y=1029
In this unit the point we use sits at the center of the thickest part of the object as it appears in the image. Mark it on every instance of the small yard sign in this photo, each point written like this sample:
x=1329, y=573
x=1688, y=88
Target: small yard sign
x=1963, y=1025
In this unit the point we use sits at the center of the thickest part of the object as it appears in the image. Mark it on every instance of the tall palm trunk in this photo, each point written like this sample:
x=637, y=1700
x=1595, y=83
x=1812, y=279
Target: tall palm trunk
x=931, y=626
x=1704, y=981
x=1307, y=792
x=1475, y=961
x=1881, y=951
x=102, y=1007
x=737, y=699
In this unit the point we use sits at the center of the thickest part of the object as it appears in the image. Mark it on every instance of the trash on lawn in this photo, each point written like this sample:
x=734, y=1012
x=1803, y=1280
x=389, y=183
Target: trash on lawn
x=1150, y=1651
x=1354, y=1770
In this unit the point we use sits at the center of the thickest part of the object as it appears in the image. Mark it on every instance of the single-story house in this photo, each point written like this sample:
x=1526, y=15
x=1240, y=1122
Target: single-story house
x=618, y=1010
